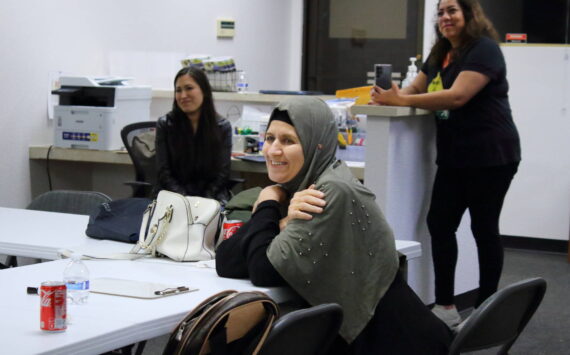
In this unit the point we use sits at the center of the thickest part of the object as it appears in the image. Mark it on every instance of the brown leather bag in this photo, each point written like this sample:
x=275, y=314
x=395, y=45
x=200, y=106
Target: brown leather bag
x=228, y=322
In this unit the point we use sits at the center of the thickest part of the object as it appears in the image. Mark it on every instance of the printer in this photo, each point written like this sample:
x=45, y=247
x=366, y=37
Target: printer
x=92, y=111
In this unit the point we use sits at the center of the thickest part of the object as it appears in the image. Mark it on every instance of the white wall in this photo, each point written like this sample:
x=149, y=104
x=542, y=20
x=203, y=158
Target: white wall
x=143, y=38
x=430, y=15
x=538, y=202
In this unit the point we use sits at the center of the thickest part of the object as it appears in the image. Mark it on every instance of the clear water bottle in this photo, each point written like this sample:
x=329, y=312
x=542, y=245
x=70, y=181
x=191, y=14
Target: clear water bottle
x=241, y=84
x=76, y=278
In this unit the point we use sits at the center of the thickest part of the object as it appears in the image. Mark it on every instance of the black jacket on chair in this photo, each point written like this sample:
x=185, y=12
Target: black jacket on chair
x=192, y=180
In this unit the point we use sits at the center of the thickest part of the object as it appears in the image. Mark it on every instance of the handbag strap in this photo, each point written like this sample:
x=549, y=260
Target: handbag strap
x=147, y=217
x=160, y=229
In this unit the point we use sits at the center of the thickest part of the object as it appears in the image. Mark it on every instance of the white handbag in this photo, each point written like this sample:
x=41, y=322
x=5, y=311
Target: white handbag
x=183, y=228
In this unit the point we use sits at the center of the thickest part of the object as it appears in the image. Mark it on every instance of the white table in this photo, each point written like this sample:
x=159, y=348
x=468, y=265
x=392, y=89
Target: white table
x=39, y=234
x=105, y=322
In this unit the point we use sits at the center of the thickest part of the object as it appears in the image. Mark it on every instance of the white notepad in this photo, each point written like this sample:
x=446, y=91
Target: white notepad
x=137, y=289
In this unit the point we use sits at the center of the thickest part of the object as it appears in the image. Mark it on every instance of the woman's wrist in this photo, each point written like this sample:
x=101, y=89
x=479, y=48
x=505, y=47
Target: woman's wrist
x=283, y=223
x=405, y=100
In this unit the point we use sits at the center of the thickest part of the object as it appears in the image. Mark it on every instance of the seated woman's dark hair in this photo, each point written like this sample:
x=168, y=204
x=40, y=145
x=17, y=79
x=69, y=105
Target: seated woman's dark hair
x=202, y=80
x=196, y=155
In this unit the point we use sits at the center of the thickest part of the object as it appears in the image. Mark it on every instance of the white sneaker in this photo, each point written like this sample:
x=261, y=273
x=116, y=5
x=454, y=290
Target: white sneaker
x=460, y=326
x=449, y=316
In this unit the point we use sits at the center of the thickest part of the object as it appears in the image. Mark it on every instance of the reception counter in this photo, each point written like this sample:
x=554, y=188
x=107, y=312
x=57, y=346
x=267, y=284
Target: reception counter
x=400, y=168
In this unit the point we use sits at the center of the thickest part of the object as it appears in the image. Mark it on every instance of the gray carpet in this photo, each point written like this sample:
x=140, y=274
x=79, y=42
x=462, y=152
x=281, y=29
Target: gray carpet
x=548, y=332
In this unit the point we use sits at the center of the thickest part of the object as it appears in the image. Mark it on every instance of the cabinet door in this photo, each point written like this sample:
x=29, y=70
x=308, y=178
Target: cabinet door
x=345, y=38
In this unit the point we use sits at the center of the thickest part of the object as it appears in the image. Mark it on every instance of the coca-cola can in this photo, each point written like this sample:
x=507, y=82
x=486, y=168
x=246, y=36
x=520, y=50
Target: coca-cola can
x=230, y=227
x=53, y=308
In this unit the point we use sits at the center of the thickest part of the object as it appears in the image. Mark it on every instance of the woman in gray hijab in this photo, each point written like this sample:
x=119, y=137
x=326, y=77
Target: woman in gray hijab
x=320, y=231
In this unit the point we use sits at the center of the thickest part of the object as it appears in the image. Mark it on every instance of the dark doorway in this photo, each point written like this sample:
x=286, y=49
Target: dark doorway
x=345, y=38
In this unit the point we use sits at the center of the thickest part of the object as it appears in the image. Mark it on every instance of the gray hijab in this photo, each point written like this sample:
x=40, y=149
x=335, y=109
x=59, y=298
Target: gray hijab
x=346, y=254
x=319, y=146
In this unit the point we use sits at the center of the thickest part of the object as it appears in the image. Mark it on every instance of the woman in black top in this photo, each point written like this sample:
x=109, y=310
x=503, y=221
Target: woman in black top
x=193, y=143
x=478, y=149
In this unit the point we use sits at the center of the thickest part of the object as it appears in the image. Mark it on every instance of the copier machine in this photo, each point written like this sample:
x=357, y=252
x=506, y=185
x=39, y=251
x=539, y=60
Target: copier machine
x=92, y=111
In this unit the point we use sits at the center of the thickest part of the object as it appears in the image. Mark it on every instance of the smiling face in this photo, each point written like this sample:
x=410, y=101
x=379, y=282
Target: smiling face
x=283, y=152
x=450, y=21
x=188, y=95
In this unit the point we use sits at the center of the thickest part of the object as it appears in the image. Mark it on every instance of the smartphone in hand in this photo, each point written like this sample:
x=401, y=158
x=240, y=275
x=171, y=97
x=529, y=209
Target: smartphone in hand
x=383, y=75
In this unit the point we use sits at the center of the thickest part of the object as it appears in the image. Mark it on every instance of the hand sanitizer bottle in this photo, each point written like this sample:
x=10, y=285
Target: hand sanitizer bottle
x=411, y=74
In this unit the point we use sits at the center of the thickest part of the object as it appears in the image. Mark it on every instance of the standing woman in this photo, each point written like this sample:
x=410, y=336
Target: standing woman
x=193, y=143
x=478, y=149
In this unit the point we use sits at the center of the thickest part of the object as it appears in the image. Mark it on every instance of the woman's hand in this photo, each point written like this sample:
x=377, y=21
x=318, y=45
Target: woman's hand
x=392, y=97
x=303, y=205
x=273, y=192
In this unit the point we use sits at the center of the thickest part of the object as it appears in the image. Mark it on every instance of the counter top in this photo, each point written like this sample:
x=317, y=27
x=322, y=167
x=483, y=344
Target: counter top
x=388, y=111
x=80, y=155
x=249, y=97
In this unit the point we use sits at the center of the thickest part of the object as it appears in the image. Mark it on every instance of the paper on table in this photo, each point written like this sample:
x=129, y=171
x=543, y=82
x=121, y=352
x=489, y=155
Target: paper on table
x=137, y=289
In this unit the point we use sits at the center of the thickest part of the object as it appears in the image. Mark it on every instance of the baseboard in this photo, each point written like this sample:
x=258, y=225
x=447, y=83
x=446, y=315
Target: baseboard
x=538, y=244
x=467, y=299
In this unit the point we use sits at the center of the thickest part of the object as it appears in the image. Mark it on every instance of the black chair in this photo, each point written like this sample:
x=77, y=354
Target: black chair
x=68, y=201
x=144, y=159
x=64, y=201
x=501, y=318
x=144, y=164
x=308, y=331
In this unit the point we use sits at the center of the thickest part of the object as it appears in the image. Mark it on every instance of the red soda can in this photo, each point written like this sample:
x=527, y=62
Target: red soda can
x=53, y=309
x=230, y=227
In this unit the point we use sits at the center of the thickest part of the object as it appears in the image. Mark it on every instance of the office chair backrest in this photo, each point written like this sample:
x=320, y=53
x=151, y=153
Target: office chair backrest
x=138, y=139
x=501, y=318
x=66, y=201
x=308, y=331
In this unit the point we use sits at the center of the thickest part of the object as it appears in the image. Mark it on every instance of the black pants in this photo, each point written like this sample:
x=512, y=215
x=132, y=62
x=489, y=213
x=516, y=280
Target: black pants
x=401, y=324
x=481, y=191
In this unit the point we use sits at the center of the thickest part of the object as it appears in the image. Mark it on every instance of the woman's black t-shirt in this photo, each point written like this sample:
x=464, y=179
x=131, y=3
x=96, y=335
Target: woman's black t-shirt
x=481, y=132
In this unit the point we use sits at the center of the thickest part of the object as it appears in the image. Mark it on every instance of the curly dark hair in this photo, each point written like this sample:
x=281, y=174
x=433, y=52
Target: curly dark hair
x=477, y=25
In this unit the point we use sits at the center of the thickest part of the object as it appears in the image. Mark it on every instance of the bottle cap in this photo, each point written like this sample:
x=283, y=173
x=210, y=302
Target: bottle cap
x=412, y=67
x=76, y=256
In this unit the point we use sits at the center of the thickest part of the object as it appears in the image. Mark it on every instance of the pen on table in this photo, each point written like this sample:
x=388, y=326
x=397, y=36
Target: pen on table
x=170, y=291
